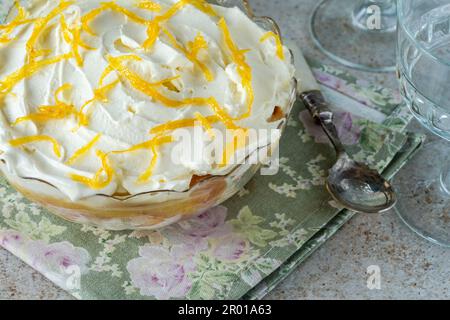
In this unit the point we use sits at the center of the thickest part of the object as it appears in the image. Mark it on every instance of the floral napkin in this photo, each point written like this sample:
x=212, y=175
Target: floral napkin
x=241, y=249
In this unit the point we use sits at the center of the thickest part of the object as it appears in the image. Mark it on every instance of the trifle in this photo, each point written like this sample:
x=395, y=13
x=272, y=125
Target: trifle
x=106, y=106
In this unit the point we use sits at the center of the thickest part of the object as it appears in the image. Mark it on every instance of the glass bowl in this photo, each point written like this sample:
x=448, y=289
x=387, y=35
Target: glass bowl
x=157, y=209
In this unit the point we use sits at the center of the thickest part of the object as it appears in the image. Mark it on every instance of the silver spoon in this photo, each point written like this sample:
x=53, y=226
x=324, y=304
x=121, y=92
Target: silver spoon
x=353, y=185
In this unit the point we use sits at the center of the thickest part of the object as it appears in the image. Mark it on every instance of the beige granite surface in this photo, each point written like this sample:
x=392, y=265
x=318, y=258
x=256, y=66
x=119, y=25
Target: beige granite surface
x=410, y=267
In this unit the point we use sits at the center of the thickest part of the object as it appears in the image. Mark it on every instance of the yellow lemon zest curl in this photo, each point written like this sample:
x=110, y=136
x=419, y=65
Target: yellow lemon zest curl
x=116, y=63
x=90, y=16
x=31, y=139
x=278, y=43
x=72, y=35
x=10, y=81
x=155, y=26
x=152, y=145
x=148, y=5
x=238, y=141
x=101, y=95
x=206, y=124
x=60, y=110
x=19, y=19
x=243, y=69
x=39, y=26
x=83, y=150
x=179, y=124
x=192, y=51
x=98, y=181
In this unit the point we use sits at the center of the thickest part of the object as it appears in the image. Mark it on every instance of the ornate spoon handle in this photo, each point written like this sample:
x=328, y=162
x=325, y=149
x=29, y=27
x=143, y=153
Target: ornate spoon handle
x=318, y=107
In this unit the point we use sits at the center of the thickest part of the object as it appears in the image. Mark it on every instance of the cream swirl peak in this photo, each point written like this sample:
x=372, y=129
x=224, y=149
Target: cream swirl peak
x=92, y=91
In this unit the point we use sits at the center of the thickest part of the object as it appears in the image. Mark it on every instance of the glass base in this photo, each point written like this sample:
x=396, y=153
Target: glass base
x=343, y=31
x=422, y=188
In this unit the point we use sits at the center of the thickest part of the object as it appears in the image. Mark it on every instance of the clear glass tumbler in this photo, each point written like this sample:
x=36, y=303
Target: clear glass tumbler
x=352, y=31
x=424, y=72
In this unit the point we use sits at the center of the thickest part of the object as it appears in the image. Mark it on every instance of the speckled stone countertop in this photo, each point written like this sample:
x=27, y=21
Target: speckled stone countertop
x=411, y=268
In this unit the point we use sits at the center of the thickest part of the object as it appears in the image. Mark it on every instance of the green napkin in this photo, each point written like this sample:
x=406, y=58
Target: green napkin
x=241, y=249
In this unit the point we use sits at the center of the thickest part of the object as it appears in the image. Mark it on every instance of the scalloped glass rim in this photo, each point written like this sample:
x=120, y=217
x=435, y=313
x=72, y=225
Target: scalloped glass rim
x=268, y=23
x=430, y=100
x=401, y=22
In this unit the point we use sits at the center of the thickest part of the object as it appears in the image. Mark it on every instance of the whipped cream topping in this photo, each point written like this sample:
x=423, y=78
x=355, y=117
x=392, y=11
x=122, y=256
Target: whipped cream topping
x=91, y=91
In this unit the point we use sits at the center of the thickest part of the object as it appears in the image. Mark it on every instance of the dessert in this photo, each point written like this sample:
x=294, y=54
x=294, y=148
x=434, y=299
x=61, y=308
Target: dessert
x=93, y=94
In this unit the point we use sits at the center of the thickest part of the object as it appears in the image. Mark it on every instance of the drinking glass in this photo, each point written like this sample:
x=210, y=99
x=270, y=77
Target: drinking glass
x=424, y=72
x=369, y=24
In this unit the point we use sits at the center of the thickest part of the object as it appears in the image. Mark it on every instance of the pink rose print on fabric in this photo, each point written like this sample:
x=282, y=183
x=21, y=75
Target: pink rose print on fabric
x=162, y=273
x=57, y=261
x=347, y=130
x=195, y=232
x=329, y=80
x=209, y=223
x=342, y=86
x=11, y=239
x=57, y=256
x=230, y=248
x=210, y=226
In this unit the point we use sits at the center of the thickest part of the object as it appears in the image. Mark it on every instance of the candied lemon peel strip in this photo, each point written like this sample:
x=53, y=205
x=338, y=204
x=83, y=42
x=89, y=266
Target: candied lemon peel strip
x=152, y=145
x=148, y=5
x=83, y=150
x=20, y=19
x=60, y=110
x=72, y=35
x=98, y=181
x=243, y=69
x=278, y=43
x=39, y=26
x=31, y=139
x=100, y=95
x=10, y=81
x=192, y=51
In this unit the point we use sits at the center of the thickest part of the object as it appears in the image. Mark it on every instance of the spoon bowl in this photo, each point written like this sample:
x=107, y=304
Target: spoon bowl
x=359, y=188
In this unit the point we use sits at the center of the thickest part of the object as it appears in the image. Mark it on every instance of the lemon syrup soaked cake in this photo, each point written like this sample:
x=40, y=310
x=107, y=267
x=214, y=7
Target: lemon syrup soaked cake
x=93, y=92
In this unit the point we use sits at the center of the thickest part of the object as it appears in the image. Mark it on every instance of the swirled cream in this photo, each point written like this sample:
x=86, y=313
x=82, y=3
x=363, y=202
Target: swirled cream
x=91, y=92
